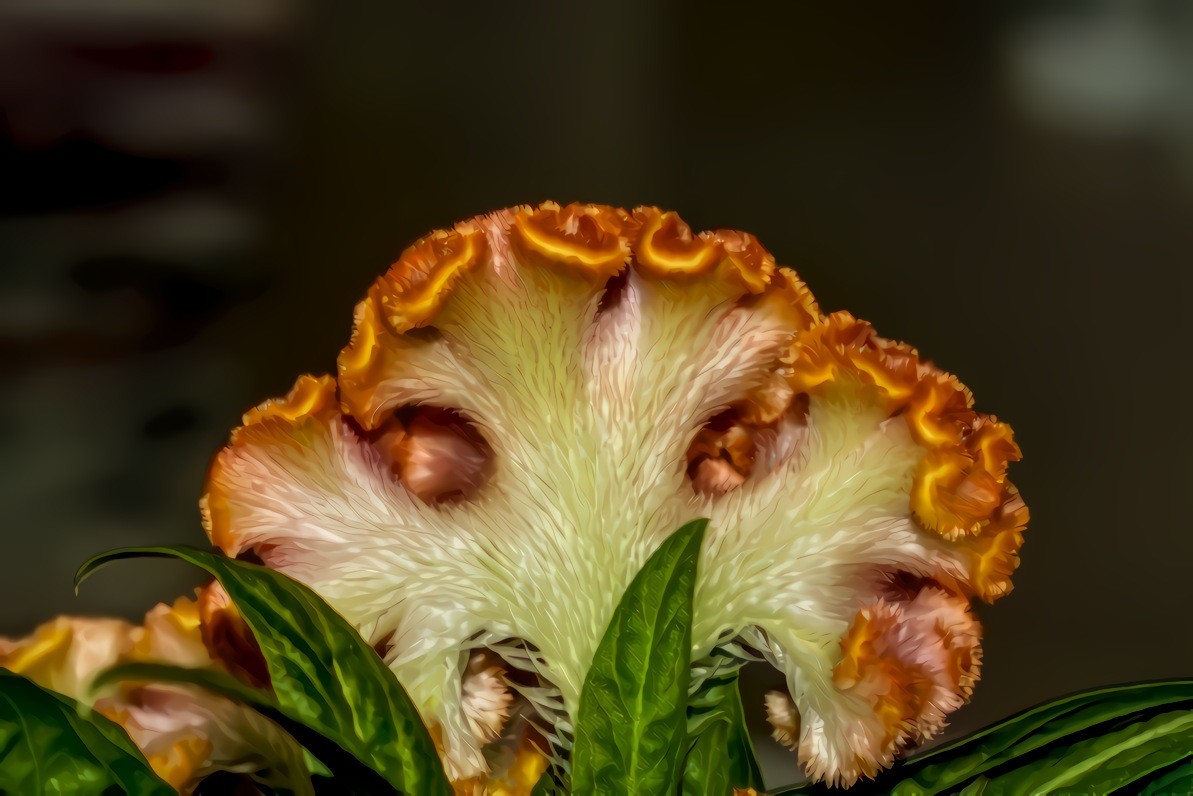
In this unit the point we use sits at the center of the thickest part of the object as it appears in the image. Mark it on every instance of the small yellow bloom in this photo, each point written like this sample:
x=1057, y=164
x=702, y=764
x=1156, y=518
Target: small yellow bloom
x=185, y=733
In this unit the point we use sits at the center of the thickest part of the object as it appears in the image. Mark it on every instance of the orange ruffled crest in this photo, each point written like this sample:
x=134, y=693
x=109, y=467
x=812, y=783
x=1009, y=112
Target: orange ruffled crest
x=364, y=363
x=405, y=297
x=940, y=409
x=894, y=687
x=952, y=494
x=790, y=297
x=594, y=242
x=665, y=248
x=993, y=446
x=586, y=239
x=844, y=350
x=960, y=484
x=995, y=551
x=958, y=488
x=409, y=294
x=311, y=397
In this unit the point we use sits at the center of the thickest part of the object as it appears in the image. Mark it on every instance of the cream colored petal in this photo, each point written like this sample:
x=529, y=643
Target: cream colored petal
x=314, y=499
x=783, y=716
x=486, y=700
x=64, y=654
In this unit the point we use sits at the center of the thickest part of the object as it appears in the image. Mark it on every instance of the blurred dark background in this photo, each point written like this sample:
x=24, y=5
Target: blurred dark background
x=195, y=194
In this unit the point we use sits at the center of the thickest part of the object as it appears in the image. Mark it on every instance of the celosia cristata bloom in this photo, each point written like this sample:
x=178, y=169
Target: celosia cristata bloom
x=532, y=400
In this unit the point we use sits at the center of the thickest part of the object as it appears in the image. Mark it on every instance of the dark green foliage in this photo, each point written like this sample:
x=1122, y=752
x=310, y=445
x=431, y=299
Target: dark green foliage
x=721, y=755
x=639, y=728
x=324, y=676
x=50, y=744
x=1093, y=742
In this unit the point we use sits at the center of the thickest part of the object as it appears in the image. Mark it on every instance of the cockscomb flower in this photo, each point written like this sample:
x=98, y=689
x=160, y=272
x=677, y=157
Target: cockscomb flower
x=185, y=733
x=533, y=399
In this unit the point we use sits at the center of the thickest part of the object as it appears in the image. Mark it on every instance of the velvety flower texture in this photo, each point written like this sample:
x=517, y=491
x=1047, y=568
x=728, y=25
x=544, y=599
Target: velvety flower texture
x=532, y=400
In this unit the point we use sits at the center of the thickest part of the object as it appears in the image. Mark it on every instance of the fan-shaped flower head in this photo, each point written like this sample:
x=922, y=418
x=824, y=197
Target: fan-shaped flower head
x=532, y=400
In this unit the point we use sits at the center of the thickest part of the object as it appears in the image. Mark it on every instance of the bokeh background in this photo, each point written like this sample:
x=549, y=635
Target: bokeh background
x=194, y=194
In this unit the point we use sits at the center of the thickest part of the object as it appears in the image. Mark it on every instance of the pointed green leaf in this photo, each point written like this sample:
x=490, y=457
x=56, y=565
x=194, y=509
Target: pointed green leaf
x=721, y=754
x=1103, y=763
x=706, y=767
x=631, y=727
x=949, y=766
x=323, y=673
x=1016, y=747
x=49, y=744
x=1178, y=779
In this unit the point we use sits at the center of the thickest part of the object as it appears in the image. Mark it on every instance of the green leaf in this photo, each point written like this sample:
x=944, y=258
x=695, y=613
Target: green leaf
x=1101, y=725
x=631, y=727
x=1101, y=764
x=721, y=754
x=323, y=674
x=1178, y=779
x=51, y=744
x=952, y=765
x=706, y=767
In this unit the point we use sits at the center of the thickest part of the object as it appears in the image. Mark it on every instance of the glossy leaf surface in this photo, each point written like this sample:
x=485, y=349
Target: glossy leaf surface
x=1093, y=741
x=631, y=729
x=323, y=674
x=49, y=744
x=721, y=754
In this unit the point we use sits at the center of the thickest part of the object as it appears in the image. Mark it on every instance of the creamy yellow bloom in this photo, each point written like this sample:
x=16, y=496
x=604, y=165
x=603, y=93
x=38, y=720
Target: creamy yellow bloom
x=185, y=733
x=534, y=398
